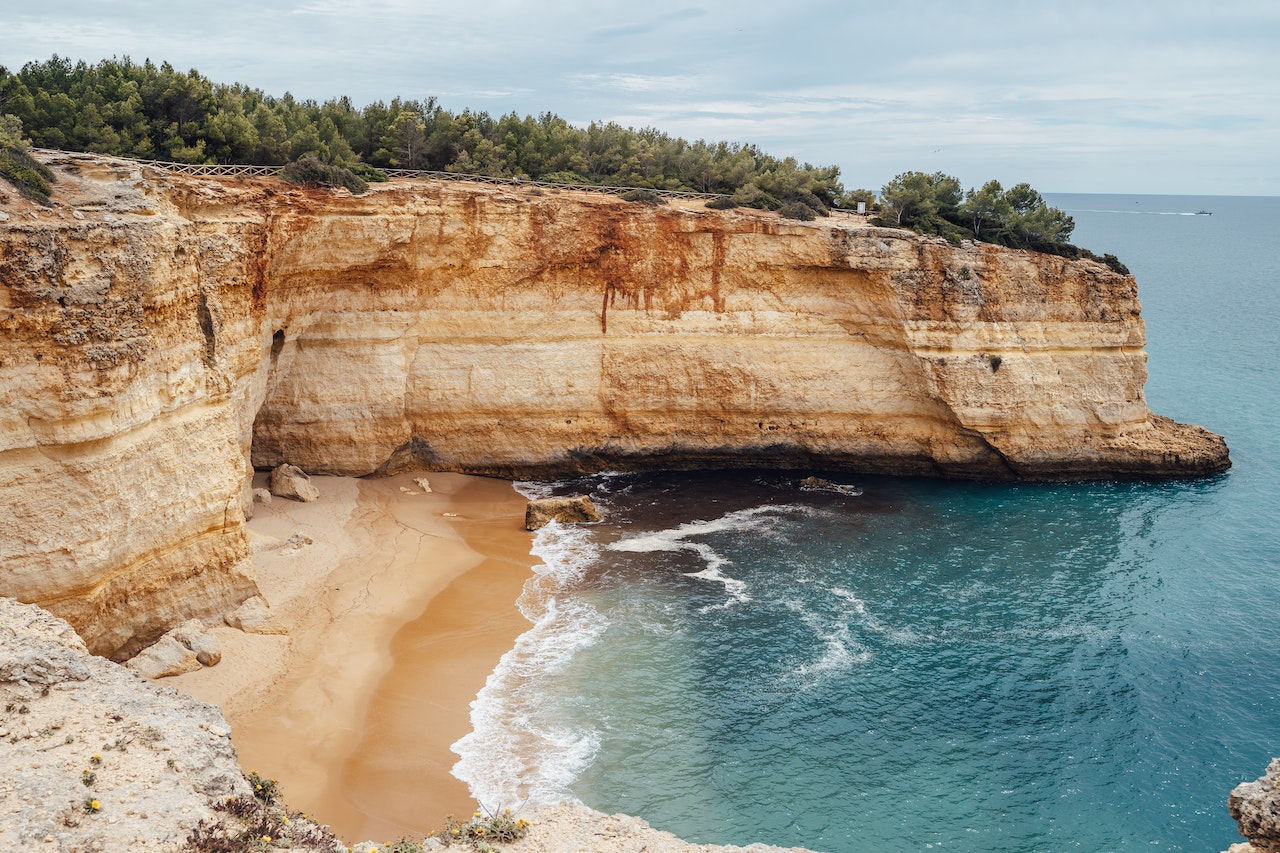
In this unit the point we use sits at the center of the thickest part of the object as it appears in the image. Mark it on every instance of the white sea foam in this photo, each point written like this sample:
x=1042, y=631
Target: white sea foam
x=534, y=490
x=840, y=653
x=868, y=622
x=519, y=751
x=840, y=649
x=757, y=519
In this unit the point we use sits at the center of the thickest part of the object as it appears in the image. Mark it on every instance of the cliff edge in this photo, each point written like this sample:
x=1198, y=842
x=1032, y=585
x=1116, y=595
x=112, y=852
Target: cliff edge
x=163, y=334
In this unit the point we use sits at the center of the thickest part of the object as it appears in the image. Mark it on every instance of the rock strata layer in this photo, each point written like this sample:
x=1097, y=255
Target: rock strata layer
x=161, y=334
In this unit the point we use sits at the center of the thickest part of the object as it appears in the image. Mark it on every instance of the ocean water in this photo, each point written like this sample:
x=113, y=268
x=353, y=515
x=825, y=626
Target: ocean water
x=933, y=665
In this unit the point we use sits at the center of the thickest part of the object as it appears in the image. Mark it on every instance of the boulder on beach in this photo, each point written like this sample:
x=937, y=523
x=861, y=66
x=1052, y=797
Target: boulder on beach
x=183, y=649
x=290, y=481
x=576, y=510
x=194, y=636
x=163, y=658
x=254, y=617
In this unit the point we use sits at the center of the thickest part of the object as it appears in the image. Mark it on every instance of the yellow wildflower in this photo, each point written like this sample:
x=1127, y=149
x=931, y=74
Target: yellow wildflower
x=266, y=839
x=95, y=805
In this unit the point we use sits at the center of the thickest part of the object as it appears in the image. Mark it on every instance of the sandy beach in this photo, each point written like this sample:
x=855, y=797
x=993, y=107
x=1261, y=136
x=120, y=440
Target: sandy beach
x=396, y=611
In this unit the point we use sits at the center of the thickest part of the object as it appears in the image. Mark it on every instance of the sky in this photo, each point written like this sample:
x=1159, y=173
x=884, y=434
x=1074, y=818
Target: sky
x=1128, y=96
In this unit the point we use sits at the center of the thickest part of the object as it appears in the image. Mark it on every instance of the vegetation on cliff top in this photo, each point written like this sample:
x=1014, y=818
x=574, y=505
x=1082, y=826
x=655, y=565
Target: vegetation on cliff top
x=1017, y=217
x=143, y=110
x=147, y=111
x=31, y=177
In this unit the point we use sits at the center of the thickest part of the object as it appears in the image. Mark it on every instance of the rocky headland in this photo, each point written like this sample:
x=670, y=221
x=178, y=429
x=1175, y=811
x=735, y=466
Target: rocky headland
x=165, y=334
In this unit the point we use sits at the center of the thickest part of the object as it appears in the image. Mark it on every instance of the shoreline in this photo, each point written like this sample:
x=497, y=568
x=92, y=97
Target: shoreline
x=397, y=610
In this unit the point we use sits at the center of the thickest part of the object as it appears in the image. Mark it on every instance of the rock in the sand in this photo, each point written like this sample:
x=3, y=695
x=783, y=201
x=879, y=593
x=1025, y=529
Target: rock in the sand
x=193, y=635
x=290, y=481
x=262, y=496
x=183, y=649
x=540, y=513
x=254, y=617
x=423, y=484
x=297, y=541
x=1255, y=806
x=164, y=658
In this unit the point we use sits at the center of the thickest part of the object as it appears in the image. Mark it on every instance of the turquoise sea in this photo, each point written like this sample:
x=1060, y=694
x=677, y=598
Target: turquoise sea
x=927, y=664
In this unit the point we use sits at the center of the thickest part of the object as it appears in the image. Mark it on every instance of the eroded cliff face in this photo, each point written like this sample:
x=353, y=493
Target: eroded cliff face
x=162, y=333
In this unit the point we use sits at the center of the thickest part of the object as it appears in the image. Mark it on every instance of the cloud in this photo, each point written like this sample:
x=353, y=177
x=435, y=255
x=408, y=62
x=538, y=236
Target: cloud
x=633, y=82
x=1092, y=95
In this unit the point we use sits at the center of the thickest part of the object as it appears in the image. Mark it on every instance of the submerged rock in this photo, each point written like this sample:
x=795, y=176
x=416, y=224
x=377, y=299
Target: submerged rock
x=290, y=481
x=574, y=510
x=817, y=484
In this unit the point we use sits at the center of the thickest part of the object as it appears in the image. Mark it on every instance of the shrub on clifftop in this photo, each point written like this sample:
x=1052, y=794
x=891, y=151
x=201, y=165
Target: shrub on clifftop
x=33, y=179
x=309, y=170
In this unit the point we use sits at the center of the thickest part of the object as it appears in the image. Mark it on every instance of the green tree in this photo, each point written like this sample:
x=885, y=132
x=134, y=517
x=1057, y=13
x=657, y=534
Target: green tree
x=32, y=178
x=922, y=202
x=407, y=140
x=987, y=212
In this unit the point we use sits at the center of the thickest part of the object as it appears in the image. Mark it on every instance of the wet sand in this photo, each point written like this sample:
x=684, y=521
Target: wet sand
x=397, y=611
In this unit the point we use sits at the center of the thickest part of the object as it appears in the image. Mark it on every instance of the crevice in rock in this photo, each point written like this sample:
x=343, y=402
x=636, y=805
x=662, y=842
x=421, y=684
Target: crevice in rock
x=205, y=317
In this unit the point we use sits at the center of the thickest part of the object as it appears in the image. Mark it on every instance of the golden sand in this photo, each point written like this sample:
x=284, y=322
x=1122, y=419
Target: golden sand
x=397, y=611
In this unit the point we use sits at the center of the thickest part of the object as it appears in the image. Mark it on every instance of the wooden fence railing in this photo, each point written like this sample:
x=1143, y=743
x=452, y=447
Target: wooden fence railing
x=242, y=171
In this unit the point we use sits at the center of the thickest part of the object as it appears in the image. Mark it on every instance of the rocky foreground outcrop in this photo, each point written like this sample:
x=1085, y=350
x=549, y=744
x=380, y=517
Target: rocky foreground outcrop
x=162, y=334
x=95, y=759
x=1255, y=806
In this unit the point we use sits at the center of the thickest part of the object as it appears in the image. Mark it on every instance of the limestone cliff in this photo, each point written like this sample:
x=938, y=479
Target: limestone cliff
x=162, y=332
